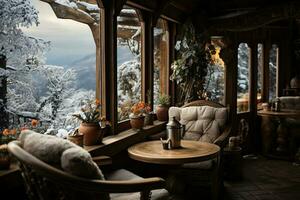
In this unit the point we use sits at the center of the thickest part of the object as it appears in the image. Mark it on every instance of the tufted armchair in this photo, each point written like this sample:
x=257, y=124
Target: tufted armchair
x=206, y=122
x=53, y=168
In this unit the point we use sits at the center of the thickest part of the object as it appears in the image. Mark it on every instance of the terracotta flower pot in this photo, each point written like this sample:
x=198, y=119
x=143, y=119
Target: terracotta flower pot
x=149, y=118
x=162, y=113
x=92, y=132
x=137, y=122
x=76, y=139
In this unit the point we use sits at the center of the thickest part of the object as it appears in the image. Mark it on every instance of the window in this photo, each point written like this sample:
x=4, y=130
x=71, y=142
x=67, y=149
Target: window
x=128, y=61
x=215, y=78
x=260, y=67
x=161, y=78
x=273, y=66
x=243, y=77
x=52, y=83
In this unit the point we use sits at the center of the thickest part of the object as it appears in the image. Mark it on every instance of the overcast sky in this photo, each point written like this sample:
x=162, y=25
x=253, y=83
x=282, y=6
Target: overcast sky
x=70, y=40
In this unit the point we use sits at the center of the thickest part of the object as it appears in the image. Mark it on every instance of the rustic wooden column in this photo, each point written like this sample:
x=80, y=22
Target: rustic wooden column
x=229, y=56
x=147, y=56
x=3, y=92
x=253, y=96
x=108, y=55
x=265, y=74
x=253, y=78
x=172, y=42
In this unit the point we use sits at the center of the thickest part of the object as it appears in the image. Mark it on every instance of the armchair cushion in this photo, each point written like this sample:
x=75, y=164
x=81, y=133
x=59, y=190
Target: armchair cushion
x=62, y=153
x=290, y=103
x=203, y=123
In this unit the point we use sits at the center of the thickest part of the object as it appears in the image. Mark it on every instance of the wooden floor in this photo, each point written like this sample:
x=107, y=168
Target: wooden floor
x=265, y=179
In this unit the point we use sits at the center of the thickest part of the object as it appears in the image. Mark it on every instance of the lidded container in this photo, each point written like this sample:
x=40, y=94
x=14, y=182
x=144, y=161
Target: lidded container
x=175, y=132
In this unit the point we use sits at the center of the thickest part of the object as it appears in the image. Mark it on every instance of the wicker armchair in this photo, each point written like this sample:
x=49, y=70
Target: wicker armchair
x=44, y=181
x=209, y=173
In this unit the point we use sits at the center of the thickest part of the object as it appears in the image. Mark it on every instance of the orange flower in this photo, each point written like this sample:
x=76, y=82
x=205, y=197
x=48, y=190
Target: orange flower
x=97, y=102
x=34, y=122
x=141, y=105
x=13, y=131
x=148, y=109
x=6, y=131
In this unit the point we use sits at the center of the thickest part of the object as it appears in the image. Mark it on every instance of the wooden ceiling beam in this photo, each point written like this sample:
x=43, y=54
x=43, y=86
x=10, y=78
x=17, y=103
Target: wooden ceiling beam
x=159, y=10
x=147, y=5
x=252, y=20
x=174, y=14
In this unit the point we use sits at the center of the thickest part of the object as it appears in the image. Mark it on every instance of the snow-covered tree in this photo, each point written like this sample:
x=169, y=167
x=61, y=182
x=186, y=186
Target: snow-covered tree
x=17, y=51
x=243, y=69
x=60, y=85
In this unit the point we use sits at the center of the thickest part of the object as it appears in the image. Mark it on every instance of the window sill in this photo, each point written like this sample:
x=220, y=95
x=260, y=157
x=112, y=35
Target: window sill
x=117, y=143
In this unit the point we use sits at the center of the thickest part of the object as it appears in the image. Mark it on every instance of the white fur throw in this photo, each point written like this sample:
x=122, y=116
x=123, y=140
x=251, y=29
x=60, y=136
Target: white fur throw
x=79, y=162
x=57, y=151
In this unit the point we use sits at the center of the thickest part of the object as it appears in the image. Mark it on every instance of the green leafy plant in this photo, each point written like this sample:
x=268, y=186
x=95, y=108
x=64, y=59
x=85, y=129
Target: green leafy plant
x=163, y=100
x=90, y=112
x=190, y=69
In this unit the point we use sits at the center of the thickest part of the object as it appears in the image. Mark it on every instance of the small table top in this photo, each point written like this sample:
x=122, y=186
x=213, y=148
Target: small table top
x=279, y=114
x=190, y=151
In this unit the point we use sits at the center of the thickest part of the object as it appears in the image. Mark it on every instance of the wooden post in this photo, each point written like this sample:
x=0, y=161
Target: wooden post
x=147, y=55
x=172, y=42
x=108, y=54
x=3, y=92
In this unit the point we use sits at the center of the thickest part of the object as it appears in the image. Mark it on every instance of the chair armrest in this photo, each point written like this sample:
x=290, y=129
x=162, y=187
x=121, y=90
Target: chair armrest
x=136, y=185
x=222, y=140
x=102, y=160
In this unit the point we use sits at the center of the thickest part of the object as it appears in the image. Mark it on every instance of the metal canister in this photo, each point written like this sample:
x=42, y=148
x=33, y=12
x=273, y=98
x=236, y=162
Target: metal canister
x=174, y=131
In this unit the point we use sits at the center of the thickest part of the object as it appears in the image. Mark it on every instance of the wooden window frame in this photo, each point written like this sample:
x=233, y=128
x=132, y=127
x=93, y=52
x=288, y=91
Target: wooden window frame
x=107, y=68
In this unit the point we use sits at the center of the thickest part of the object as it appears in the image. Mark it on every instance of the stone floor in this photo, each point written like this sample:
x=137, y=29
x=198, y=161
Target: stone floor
x=265, y=179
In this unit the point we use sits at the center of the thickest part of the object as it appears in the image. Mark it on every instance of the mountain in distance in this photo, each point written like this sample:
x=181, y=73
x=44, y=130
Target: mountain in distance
x=85, y=68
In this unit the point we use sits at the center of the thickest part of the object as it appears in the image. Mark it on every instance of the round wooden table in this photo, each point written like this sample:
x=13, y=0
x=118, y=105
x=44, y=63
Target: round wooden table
x=190, y=151
x=282, y=129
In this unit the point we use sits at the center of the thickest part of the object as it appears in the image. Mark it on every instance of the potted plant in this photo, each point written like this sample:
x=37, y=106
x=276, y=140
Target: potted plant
x=137, y=115
x=76, y=137
x=91, y=123
x=162, y=108
x=149, y=114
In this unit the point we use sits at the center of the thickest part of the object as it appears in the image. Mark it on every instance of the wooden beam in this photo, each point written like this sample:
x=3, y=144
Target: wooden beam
x=108, y=35
x=173, y=14
x=252, y=20
x=147, y=55
x=159, y=10
x=119, y=6
x=146, y=5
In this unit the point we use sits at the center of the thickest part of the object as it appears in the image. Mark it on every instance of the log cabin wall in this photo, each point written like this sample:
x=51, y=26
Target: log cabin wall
x=249, y=25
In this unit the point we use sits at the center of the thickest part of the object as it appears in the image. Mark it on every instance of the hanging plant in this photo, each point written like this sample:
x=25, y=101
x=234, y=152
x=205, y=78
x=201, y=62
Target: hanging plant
x=190, y=69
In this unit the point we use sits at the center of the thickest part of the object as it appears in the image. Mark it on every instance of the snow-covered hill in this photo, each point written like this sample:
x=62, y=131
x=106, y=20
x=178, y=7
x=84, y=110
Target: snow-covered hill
x=86, y=68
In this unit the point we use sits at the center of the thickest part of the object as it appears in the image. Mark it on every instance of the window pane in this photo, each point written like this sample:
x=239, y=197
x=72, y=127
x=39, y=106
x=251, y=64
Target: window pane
x=160, y=59
x=243, y=78
x=260, y=63
x=273, y=65
x=50, y=83
x=129, y=61
x=215, y=78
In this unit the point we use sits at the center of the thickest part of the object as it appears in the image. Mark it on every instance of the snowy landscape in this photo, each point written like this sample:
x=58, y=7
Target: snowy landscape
x=50, y=70
x=49, y=74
